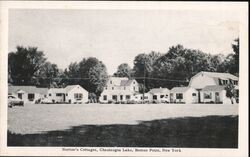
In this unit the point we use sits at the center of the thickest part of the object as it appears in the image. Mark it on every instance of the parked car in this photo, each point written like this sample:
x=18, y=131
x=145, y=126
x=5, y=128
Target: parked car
x=14, y=101
x=46, y=101
x=165, y=99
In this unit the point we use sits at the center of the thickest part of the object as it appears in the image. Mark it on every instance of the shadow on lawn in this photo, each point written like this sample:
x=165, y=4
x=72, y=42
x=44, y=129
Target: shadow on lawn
x=199, y=132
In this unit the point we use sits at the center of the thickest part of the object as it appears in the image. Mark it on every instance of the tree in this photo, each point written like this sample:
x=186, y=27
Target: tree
x=143, y=68
x=47, y=75
x=123, y=70
x=23, y=65
x=90, y=73
x=230, y=92
x=235, y=63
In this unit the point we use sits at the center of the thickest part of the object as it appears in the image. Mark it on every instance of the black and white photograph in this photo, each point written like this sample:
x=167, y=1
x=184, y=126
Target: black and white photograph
x=163, y=79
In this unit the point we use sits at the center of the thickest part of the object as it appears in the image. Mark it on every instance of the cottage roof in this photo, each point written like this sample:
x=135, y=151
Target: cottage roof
x=117, y=80
x=126, y=82
x=70, y=87
x=213, y=88
x=159, y=90
x=27, y=89
x=180, y=89
x=223, y=76
x=57, y=90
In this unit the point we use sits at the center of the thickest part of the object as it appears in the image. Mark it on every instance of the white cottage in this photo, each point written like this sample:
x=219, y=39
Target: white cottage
x=159, y=95
x=56, y=95
x=119, y=89
x=185, y=95
x=214, y=94
x=117, y=96
x=29, y=94
x=203, y=79
x=76, y=94
x=69, y=94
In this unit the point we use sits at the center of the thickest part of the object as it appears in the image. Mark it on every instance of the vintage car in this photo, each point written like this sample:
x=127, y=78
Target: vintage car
x=14, y=101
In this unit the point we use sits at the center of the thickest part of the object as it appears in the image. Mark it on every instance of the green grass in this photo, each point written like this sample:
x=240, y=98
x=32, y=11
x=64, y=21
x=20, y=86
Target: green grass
x=198, y=132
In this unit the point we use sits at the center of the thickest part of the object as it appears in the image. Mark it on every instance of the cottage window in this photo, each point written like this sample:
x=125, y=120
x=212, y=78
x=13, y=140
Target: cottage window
x=112, y=88
x=78, y=96
x=235, y=82
x=166, y=96
x=154, y=97
x=220, y=82
x=179, y=96
x=194, y=94
x=59, y=94
x=134, y=88
x=127, y=97
x=49, y=94
x=121, y=97
x=31, y=96
x=162, y=96
x=114, y=97
x=207, y=95
x=104, y=97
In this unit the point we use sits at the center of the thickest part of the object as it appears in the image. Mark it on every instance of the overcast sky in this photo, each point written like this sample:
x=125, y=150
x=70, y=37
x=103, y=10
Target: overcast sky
x=117, y=36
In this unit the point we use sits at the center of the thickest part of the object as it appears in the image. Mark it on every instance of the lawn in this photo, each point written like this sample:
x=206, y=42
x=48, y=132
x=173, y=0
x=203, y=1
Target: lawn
x=144, y=125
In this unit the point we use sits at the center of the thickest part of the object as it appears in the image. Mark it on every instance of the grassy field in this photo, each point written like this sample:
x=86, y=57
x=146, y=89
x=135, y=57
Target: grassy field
x=144, y=125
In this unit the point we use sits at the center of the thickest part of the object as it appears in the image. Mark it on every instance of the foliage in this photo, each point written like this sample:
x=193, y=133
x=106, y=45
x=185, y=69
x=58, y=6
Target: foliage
x=28, y=66
x=24, y=64
x=90, y=73
x=230, y=92
x=124, y=70
x=47, y=75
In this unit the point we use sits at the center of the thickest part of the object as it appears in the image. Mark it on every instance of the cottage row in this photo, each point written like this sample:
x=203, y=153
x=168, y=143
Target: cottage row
x=69, y=94
x=204, y=87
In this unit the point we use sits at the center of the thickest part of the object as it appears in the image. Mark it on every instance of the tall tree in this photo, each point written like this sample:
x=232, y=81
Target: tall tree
x=236, y=49
x=143, y=67
x=23, y=65
x=90, y=73
x=47, y=75
x=123, y=70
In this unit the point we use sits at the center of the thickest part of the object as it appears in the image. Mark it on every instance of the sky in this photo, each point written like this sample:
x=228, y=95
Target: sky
x=117, y=36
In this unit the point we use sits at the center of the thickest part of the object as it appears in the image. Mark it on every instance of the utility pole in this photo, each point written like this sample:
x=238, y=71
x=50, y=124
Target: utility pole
x=143, y=81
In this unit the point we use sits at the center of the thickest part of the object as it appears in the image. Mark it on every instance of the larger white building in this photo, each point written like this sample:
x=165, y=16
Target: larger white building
x=119, y=89
x=210, y=86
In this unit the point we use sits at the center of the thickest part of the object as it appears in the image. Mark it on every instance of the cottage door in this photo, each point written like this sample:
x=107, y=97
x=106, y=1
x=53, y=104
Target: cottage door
x=217, y=97
x=20, y=95
x=171, y=97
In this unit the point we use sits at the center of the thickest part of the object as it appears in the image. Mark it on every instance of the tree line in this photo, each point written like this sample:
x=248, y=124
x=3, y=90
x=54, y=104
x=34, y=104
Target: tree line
x=29, y=66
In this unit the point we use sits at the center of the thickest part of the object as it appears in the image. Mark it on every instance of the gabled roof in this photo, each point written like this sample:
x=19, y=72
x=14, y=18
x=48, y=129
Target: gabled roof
x=180, y=89
x=126, y=82
x=57, y=90
x=117, y=80
x=213, y=88
x=159, y=90
x=27, y=89
x=70, y=87
x=223, y=76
